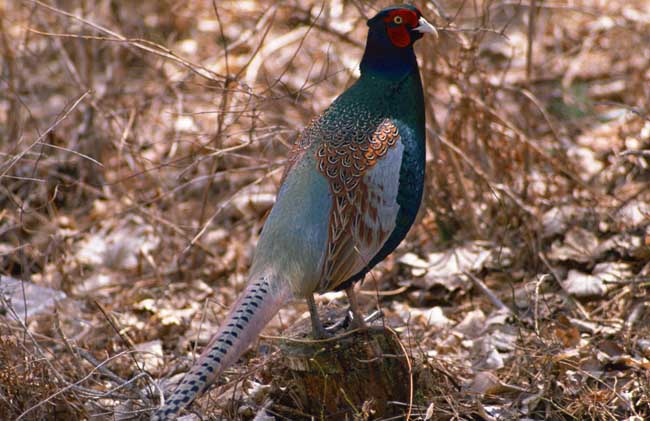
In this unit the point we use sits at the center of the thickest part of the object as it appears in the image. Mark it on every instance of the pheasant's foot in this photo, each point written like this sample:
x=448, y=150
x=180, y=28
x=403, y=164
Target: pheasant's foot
x=343, y=323
x=354, y=313
x=375, y=315
x=320, y=332
x=352, y=321
x=356, y=320
x=340, y=324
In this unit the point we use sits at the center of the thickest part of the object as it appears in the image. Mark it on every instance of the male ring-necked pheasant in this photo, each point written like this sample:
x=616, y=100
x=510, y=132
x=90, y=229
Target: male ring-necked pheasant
x=350, y=193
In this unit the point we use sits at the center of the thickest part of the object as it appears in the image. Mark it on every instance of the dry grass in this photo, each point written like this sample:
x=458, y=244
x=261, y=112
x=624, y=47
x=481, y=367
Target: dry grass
x=157, y=131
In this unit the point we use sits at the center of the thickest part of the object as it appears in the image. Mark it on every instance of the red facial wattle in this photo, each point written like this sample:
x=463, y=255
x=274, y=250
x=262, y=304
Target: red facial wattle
x=399, y=36
x=398, y=33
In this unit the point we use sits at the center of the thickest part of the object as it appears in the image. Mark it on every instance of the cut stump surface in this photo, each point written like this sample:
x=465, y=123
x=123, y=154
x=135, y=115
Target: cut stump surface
x=350, y=375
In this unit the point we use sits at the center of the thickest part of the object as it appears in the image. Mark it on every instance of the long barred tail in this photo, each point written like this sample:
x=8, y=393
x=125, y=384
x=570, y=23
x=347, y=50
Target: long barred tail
x=257, y=305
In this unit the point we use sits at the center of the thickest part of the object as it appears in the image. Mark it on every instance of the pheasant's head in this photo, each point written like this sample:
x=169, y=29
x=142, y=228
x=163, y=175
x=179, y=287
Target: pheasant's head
x=391, y=34
x=401, y=26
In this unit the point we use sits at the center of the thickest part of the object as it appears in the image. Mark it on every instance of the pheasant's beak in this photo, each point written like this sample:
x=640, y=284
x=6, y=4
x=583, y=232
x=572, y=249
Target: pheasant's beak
x=425, y=26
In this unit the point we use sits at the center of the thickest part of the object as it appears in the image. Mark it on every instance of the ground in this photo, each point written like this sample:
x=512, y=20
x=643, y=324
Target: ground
x=142, y=143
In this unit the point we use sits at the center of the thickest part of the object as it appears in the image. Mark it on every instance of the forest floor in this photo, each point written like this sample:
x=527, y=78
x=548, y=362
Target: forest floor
x=142, y=143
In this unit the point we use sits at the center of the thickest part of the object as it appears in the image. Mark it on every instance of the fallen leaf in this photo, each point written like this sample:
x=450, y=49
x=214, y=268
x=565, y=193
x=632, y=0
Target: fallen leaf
x=25, y=298
x=472, y=325
x=582, y=284
x=578, y=245
x=150, y=354
x=557, y=219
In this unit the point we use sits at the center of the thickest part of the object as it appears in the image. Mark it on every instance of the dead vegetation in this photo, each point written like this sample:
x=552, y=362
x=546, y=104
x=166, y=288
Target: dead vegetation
x=142, y=144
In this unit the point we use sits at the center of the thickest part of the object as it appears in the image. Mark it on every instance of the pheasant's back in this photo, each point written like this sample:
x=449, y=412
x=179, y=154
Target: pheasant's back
x=346, y=124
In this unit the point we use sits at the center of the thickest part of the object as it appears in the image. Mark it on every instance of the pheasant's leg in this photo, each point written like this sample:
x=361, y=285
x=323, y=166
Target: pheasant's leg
x=317, y=327
x=357, y=319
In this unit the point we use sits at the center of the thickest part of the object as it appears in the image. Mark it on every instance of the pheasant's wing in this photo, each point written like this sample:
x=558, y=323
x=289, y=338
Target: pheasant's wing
x=363, y=178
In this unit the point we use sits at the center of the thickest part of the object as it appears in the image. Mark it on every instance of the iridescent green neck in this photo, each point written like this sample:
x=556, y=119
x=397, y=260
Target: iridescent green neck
x=383, y=59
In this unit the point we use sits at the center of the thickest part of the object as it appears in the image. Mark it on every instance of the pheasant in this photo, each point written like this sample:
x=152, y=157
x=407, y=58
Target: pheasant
x=350, y=192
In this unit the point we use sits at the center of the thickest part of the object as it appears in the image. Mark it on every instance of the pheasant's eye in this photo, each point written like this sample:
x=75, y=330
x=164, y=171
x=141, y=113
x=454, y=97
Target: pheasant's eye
x=398, y=20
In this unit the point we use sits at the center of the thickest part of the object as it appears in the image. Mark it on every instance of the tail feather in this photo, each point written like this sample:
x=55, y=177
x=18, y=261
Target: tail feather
x=256, y=306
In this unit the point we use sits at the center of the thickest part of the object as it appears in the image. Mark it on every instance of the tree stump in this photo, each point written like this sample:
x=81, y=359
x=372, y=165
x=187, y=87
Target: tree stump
x=352, y=375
